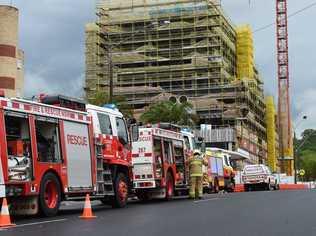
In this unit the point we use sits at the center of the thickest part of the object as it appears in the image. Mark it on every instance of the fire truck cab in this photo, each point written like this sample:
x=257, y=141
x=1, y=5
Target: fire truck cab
x=159, y=163
x=57, y=149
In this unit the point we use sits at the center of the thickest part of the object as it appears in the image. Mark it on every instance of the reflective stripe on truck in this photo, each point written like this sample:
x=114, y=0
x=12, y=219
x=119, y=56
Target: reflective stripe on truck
x=2, y=186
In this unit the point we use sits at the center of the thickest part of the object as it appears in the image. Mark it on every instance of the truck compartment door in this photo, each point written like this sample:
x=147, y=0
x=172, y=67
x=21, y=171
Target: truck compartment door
x=213, y=165
x=78, y=155
x=220, y=166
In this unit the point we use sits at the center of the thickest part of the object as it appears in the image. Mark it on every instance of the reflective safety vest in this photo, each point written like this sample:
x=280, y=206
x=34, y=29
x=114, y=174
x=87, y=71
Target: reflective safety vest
x=196, y=167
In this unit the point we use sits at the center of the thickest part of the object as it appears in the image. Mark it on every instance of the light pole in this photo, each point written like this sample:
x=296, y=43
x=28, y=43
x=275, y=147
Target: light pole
x=295, y=151
x=110, y=47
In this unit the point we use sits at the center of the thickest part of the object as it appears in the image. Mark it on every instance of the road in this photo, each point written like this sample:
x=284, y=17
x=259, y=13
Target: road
x=255, y=213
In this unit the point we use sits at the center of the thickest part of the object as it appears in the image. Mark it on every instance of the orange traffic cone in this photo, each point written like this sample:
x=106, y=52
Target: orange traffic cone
x=5, y=220
x=87, y=211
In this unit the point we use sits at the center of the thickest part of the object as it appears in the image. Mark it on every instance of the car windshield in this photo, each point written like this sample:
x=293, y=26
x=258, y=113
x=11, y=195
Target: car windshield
x=253, y=169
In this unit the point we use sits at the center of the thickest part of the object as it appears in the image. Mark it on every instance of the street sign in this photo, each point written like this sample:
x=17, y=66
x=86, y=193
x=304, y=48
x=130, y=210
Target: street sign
x=301, y=172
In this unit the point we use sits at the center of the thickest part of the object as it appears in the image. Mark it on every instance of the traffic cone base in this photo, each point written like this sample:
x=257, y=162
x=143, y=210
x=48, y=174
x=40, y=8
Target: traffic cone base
x=5, y=221
x=87, y=211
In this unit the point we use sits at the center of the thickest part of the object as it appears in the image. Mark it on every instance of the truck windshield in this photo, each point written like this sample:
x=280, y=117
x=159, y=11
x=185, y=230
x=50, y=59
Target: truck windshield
x=226, y=160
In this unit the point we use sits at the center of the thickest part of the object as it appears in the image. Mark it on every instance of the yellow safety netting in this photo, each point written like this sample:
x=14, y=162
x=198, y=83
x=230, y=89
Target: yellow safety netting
x=271, y=133
x=245, y=52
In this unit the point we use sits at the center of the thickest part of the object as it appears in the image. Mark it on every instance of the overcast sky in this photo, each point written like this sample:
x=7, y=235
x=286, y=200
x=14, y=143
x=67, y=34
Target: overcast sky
x=52, y=36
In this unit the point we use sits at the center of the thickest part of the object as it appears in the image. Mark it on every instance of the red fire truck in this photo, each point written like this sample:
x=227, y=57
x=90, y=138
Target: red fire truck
x=159, y=163
x=60, y=149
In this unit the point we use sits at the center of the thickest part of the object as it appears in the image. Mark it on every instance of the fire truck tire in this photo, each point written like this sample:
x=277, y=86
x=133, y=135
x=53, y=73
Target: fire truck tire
x=50, y=195
x=231, y=187
x=216, y=186
x=120, y=191
x=169, y=187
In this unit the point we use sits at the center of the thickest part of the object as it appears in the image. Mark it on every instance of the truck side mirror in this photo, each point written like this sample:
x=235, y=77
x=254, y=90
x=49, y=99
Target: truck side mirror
x=131, y=121
x=134, y=132
x=200, y=139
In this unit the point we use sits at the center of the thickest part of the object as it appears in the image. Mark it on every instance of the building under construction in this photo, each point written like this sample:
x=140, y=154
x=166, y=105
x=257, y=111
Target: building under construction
x=186, y=49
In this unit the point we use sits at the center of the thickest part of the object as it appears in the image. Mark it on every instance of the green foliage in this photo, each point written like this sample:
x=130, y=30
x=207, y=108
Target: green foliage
x=166, y=111
x=308, y=163
x=306, y=154
x=102, y=98
x=99, y=99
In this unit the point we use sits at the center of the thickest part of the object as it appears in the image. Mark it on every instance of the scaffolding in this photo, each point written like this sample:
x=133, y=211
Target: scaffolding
x=183, y=48
x=96, y=69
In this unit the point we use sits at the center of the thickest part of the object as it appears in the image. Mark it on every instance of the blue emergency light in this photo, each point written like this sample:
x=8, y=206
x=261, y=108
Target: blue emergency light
x=186, y=130
x=110, y=106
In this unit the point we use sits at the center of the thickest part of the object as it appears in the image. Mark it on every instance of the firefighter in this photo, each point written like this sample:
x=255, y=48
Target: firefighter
x=196, y=163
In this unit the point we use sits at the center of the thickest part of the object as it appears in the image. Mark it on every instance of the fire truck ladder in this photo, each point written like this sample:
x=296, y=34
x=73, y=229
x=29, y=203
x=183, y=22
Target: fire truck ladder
x=104, y=175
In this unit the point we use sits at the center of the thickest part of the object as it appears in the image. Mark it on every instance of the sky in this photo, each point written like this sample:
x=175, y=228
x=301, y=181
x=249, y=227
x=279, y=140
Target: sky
x=52, y=36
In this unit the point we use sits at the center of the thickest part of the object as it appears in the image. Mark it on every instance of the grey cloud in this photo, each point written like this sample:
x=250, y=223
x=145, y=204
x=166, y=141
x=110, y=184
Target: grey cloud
x=52, y=35
x=301, y=50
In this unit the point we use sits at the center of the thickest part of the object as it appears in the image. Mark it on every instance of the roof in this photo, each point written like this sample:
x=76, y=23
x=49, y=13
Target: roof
x=233, y=154
x=41, y=109
x=163, y=133
x=114, y=112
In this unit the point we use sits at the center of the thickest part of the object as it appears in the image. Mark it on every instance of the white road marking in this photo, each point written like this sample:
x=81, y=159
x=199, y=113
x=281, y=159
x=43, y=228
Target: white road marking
x=41, y=222
x=206, y=200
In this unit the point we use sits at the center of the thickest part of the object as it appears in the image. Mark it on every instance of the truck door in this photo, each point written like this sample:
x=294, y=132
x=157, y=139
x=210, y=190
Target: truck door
x=168, y=158
x=78, y=153
x=123, y=144
x=105, y=127
x=45, y=144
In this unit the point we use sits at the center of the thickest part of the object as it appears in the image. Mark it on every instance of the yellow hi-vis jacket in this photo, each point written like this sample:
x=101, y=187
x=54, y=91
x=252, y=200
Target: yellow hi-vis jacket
x=195, y=164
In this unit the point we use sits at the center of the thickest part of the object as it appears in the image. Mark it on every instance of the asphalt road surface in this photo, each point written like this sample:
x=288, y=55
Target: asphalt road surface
x=255, y=213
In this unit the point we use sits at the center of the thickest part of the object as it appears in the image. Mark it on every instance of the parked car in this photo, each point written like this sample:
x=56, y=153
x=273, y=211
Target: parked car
x=258, y=177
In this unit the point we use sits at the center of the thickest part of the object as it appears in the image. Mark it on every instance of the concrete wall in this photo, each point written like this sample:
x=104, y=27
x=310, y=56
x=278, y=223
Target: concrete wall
x=11, y=78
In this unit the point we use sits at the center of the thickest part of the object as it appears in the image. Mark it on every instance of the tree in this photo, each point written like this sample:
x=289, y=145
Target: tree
x=306, y=154
x=102, y=97
x=167, y=111
x=99, y=99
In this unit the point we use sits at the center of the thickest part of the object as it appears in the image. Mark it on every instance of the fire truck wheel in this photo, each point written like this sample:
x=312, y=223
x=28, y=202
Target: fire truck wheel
x=216, y=186
x=231, y=188
x=120, y=191
x=50, y=195
x=169, y=187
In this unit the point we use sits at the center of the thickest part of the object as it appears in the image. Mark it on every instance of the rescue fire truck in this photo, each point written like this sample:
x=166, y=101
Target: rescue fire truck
x=159, y=163
x=57, y=149
x=219, y=174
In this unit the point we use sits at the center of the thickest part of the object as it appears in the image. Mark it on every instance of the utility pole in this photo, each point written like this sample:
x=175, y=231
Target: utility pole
x=111, y=75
